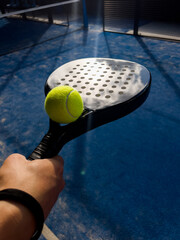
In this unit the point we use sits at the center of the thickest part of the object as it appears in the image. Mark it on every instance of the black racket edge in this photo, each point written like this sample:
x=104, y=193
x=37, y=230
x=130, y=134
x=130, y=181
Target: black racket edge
x=57, y=135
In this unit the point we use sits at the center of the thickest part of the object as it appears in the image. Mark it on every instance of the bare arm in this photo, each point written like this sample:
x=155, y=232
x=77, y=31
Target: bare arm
x=42, y=179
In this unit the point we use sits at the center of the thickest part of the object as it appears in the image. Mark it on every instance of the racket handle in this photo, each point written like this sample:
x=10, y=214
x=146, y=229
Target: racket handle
x=42, y=150
x=58, y=136
x=50, y=145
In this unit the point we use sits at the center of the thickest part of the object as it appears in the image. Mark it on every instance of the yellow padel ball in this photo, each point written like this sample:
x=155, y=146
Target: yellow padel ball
x=63, y=104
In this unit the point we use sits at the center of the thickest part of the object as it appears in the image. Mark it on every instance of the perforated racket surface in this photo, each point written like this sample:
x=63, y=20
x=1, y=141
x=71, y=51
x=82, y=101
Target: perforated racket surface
x=110, y=89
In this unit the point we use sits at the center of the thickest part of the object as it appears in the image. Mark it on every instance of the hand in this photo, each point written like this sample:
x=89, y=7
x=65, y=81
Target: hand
x=43, y=178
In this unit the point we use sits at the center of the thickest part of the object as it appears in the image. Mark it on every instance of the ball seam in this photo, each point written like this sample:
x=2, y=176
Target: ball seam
x=67, y=105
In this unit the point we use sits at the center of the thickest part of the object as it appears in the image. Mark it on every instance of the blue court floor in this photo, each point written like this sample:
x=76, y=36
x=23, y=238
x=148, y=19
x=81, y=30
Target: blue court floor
x=122, y=179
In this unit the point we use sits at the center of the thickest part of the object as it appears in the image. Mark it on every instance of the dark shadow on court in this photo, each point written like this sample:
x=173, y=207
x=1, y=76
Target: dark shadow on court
x=42, y=57
x=159, y=66
x=17, y=34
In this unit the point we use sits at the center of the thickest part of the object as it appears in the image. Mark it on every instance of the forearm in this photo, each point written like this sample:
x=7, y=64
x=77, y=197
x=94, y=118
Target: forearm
x=19, y=178
x=16, y=221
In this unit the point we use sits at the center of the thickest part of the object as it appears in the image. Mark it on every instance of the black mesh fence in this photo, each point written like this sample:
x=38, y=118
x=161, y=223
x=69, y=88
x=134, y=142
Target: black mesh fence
x=155, y=18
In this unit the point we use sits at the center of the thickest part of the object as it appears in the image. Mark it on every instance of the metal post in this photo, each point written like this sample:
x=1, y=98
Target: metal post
x=85, y=18
x=136, y=16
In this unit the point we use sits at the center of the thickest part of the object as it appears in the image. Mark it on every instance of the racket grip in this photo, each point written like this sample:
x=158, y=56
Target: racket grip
x=49, y=147
x=41, y=150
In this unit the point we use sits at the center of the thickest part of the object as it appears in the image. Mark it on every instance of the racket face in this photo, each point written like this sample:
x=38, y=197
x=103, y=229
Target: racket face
x=102, y=82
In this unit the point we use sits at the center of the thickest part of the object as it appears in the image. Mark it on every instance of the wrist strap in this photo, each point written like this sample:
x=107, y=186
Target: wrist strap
x=28, y=201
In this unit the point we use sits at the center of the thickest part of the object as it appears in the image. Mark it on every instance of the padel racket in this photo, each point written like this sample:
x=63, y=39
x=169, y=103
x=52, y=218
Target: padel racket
x=110, y=89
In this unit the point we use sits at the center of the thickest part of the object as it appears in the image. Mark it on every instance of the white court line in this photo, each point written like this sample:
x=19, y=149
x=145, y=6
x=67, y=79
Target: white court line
x=48, y=234
x=38, y=8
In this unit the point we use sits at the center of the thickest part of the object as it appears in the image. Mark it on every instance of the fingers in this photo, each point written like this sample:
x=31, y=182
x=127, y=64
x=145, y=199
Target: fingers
x=58, y=163
x=55, y=164
x=13, y=161
x=19, y=157
x=15, y=157
x=57, y=160
x=50, y=165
